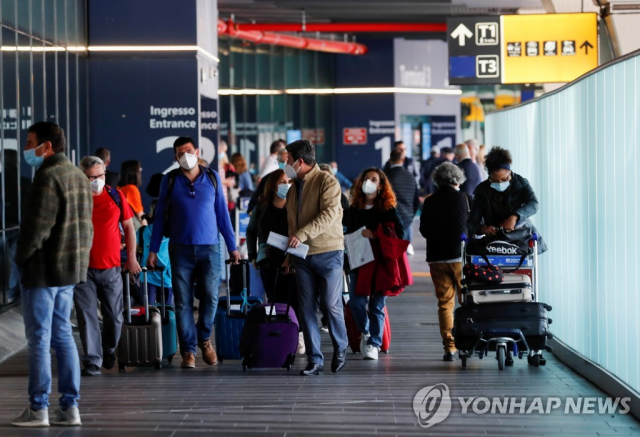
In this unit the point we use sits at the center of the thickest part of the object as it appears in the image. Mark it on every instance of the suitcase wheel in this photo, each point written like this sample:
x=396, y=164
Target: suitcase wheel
x=121, y=367
x=157, y=366
x=170, y=358
x=501, y=357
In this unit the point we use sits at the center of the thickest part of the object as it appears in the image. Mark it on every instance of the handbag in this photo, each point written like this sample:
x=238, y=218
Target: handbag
x=488, y=274
x=507, y=243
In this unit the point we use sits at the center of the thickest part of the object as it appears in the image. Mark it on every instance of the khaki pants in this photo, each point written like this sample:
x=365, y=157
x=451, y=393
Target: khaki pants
x=446, y=278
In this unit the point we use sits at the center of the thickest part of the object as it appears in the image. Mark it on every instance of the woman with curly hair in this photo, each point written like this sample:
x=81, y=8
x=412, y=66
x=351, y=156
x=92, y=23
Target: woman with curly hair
x=373, y=203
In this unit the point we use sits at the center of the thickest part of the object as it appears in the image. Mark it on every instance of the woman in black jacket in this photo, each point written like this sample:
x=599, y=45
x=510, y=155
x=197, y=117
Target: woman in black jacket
x=373, y=203
x=442, y=222
x=271, y=216
x=504, y=200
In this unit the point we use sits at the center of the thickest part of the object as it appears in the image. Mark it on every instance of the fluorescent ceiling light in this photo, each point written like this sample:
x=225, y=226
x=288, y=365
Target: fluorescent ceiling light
x=375, y=90
x=110, y=49
x=248, y=92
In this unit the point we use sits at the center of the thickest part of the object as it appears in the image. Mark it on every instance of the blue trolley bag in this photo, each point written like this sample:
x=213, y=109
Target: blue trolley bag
x=168, y=317
x=230, y=317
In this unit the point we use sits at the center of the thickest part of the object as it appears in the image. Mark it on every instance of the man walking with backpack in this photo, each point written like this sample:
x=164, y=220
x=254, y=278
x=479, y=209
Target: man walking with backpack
x=192, y=212
x=104, y=278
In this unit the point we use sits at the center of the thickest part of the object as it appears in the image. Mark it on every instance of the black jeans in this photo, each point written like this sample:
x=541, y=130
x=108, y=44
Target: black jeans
x=279, y=292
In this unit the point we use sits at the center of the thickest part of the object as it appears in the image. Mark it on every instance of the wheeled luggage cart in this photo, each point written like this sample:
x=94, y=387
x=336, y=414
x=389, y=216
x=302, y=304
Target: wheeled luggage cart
x=511, y=329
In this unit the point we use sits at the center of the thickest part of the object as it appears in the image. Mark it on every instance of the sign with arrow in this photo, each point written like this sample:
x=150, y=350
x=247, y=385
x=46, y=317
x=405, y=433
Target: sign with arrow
x=522, y=48
x=559, y=47
x=474, y=50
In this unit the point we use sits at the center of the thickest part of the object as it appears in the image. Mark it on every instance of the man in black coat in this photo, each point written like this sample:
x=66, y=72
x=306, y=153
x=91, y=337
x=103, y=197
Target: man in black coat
x=408, y=163
x=111, y=178
x=470, y=169
x=406, y=190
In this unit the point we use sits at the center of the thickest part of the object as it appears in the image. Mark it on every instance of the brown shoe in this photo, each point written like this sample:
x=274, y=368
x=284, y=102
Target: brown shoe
x=208, y=353
x=188, y=361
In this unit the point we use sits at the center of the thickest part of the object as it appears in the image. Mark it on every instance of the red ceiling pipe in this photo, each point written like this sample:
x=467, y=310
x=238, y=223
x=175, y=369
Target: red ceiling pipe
x=297, y=42
x=346, y=27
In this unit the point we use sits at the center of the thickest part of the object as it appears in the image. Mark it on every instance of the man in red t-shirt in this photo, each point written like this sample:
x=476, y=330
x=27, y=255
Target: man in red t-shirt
x=104, y=279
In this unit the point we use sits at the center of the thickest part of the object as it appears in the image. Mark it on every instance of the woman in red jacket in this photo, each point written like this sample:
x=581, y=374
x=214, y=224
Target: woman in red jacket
x=373, y=203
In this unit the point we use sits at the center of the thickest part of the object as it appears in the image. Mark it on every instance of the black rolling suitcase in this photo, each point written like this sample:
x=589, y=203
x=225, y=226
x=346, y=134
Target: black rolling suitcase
x=141, y=339
x=502, y=320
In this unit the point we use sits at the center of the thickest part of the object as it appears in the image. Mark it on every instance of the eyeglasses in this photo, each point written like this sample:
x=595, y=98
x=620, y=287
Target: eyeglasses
x=93, y=178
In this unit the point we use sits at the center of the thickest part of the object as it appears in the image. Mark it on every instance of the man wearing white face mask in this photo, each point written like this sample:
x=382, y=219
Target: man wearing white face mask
x=314, y=216
x=104, y=280
x=192, y=212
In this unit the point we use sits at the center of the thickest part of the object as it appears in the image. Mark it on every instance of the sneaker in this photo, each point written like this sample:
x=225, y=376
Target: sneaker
x=449, y=356
x=301, y=349
x=188, y=361
x=410, y=250
x=324, y=328
x=68, y=417
x=364, y=338
x=370, y=352
x=91, y=370
x=31, y=418
x=208, y=353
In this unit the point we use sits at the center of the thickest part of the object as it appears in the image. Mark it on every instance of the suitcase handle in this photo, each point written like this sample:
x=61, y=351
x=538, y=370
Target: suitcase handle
x=163, y=299
x=245, y=264
x=128, y=295
x=273, y=303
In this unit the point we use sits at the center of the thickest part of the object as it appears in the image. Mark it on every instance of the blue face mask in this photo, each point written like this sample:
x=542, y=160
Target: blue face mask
x=281, y=165
x=500, y=186
x=31, y=158
x=283, y=189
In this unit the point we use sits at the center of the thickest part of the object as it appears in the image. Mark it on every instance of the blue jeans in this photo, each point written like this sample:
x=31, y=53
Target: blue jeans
x=407, y=222
x=47, y=313
x=373, y=322
x=321, y=276
x=189, y=262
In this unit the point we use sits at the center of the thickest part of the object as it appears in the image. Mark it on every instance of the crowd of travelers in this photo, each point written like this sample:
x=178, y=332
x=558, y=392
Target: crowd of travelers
x=83, y=226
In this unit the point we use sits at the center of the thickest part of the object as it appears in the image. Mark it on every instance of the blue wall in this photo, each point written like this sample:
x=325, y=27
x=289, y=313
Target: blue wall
x=580, y=149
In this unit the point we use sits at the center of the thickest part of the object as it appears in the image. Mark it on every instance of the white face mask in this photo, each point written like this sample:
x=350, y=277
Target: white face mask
x=291, y=171
x=188, y=161
x=97, y=185
x=369, y=187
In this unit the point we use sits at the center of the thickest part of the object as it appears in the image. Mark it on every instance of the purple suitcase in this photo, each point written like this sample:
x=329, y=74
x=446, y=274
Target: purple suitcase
x=270, y=337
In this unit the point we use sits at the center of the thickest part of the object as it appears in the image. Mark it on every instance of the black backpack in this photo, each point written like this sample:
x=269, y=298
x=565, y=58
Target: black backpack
x=171, y=182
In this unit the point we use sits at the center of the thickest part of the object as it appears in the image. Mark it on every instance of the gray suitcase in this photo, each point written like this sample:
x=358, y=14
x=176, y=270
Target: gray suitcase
x=141, y=339
x=514, y=288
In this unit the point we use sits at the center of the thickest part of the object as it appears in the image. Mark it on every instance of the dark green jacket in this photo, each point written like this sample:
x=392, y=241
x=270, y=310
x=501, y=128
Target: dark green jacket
x=56, y=231
x=520, y=201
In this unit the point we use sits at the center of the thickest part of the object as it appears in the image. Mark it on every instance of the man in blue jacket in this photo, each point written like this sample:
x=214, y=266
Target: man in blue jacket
x=196, y=211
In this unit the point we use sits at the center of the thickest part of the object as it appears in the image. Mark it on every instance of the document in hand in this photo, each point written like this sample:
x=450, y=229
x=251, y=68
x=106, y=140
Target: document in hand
x=359, y=249
x=280, y=242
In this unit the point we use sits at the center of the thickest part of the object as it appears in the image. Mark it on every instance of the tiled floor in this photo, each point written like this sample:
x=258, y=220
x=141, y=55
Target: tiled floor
x=365, y=398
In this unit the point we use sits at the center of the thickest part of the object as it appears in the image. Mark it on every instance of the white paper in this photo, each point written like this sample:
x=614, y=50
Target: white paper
x=280, y=242
x=359, y=249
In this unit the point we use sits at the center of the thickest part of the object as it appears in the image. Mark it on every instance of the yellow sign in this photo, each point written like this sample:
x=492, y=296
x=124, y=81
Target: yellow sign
x=548, y=48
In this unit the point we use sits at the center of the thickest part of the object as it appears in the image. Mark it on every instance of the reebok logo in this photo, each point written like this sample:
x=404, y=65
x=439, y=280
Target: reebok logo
x=502, y=248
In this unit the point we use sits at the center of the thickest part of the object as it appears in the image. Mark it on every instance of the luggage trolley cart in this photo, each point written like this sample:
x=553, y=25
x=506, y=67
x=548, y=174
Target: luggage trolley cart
x=505, y=340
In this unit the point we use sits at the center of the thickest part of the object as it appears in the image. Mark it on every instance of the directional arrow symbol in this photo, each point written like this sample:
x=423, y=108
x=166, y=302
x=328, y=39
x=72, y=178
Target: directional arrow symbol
x=586, y=46
x=461, y=33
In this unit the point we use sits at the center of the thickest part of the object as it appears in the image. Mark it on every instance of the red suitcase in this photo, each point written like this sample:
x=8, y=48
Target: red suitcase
x=354, y=335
